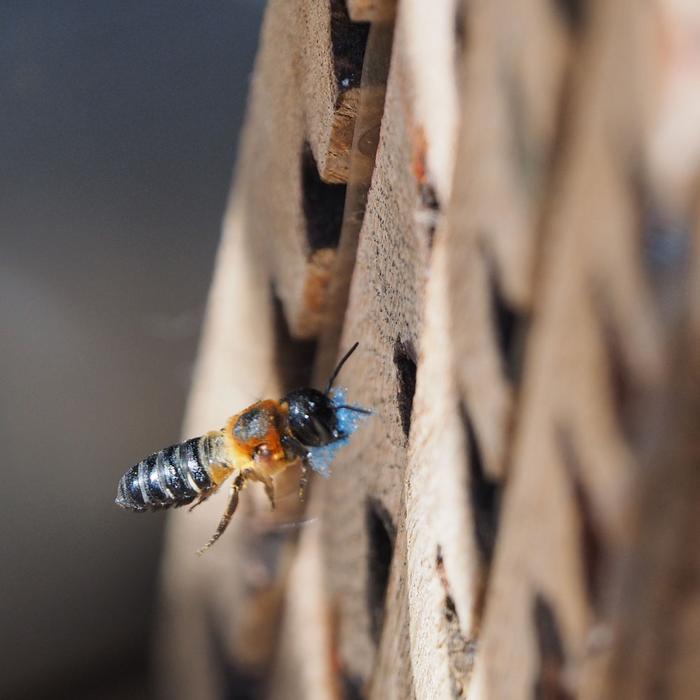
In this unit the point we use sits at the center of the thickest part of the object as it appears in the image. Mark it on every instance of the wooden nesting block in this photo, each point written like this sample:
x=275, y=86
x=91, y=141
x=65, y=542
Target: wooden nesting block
x=597, y=360
x=361, y=508
x=362, y=499
x=515, y=61
x=297, y=139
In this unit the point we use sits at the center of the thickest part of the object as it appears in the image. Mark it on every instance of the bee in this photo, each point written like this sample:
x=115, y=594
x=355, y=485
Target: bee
x=305, y=428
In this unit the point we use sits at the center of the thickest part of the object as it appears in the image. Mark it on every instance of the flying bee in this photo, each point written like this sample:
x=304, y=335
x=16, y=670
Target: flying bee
x=305, y=428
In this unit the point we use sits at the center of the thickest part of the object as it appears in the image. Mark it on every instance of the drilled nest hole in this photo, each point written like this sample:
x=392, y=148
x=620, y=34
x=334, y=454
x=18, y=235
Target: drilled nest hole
x=381, y=534
x=405, y=363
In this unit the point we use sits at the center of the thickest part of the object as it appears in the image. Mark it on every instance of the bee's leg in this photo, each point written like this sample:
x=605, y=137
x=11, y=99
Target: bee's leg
x=202, y=497
x=228, y=513
x=304, y=480
x=295, y=450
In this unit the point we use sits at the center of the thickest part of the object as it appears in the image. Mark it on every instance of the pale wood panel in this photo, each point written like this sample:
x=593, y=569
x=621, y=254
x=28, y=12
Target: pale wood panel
x=210, y=604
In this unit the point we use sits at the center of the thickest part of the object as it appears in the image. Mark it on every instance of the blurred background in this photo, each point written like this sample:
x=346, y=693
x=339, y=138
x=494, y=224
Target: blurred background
x=119, y=128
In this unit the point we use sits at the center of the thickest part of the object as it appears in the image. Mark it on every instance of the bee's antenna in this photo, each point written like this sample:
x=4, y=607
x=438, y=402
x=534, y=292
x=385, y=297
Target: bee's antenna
x=336, y=371
x=356, y=409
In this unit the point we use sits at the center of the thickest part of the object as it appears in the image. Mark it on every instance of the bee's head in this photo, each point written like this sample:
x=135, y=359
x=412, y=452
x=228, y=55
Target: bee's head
x=312, y=417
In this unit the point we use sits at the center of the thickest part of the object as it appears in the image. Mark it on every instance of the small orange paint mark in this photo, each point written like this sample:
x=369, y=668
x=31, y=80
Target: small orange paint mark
x=420, y=148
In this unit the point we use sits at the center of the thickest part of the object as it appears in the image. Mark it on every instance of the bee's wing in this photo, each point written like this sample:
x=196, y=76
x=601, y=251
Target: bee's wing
x=289, y=512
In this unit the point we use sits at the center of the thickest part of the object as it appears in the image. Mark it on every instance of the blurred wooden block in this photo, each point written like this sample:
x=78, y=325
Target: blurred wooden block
x=515, y=66
x=596, y=357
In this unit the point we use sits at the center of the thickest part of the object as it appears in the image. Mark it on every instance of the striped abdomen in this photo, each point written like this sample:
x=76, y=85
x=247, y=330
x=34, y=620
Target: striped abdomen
x=174, y=476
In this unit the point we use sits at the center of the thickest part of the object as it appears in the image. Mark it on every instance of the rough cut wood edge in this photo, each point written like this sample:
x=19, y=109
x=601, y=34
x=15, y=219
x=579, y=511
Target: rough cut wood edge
x=375, y=72
x=330, y=66
x=389, y=275
x=430, y=110
x=434, y=593
x=298, y=97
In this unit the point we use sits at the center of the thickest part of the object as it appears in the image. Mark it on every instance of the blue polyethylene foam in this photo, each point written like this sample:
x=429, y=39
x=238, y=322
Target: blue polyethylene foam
x=321, y=458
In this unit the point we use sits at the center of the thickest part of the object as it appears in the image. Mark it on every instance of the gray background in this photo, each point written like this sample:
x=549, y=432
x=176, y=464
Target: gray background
x=119, y=122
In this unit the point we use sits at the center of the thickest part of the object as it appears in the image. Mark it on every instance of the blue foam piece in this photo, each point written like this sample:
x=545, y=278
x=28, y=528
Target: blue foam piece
x=321, y=458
